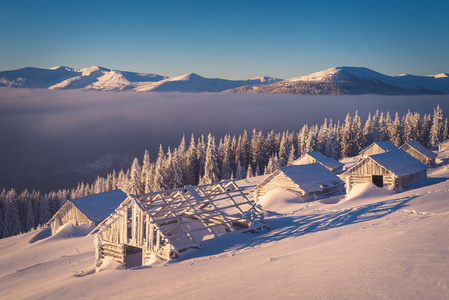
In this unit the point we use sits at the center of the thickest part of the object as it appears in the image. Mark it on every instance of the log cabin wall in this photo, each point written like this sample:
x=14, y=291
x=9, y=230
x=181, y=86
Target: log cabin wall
x=68, y=213
x=279, y=181
x=418, y=155
x=364, y=171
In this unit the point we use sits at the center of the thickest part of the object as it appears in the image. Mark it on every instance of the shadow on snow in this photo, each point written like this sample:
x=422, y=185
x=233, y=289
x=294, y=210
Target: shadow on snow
x=285, y=227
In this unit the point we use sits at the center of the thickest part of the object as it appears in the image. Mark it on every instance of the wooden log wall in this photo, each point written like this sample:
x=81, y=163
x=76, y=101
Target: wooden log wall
x=114, y=250
x=68, y=213
x=279, y=181
x=418, y=155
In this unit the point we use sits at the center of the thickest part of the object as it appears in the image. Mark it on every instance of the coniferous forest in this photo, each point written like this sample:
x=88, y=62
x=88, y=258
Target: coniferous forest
x=205, y=159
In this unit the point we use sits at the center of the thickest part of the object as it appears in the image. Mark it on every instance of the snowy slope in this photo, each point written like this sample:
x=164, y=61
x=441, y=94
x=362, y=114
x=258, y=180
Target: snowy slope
x=373, y=245
x=439, y=82
x=349, y=81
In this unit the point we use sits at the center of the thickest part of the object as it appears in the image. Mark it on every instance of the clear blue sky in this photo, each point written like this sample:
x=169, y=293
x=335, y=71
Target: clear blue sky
x=227, y=39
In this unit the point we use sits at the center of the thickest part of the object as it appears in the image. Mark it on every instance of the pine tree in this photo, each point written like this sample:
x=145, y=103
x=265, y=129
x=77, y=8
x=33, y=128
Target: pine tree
x=249, y=172
x=135, y=182
x=291, y=156
x=240, y=172
x=210, y=166
x=44, y=210
x=437, y=129
x=145, y=174
x=159, y=172
x=396, y=132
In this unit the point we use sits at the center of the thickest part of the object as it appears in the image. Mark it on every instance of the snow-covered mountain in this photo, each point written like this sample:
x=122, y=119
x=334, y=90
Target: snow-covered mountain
x=61, y=77
x=355, y=81
x=195, y=83
x=99, y=78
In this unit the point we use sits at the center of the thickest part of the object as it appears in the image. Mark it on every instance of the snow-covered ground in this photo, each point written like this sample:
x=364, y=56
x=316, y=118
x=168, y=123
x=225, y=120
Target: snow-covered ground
x=373, y=244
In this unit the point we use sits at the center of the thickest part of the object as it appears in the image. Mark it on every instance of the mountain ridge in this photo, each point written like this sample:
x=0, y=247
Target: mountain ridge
x=354, y=81
x=343, y=80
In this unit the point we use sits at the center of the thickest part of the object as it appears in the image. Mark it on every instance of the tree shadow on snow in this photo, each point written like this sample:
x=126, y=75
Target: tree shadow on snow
x=286, y=227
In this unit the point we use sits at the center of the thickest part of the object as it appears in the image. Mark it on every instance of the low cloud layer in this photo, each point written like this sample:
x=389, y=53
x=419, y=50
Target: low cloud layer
x=42, y=130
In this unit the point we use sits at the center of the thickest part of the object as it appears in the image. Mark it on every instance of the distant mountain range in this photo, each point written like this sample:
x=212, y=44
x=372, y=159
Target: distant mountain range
x=333, y=81
x=99, y=78
x=355, y=81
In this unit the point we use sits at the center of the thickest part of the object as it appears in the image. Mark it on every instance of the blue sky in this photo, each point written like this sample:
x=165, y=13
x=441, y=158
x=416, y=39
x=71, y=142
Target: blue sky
x=227, y=39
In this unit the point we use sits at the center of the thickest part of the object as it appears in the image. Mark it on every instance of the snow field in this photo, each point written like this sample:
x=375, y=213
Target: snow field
x=372, y=245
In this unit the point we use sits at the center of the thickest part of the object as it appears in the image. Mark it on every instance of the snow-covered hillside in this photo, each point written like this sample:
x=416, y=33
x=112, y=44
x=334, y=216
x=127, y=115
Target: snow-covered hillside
x=373, y=244
x=99, y=78
x=355, y=81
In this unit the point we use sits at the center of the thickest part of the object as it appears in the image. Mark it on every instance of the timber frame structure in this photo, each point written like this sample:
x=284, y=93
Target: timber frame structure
x=164, y=224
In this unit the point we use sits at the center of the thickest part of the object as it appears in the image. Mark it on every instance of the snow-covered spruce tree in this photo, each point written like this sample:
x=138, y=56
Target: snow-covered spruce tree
x=249, y=172
x=436, y=131
x=146, y=173
x=211, y=171
x=357, y=132
x=228, y=158
x=191, y=166
x=173, y=170
x=257, y=149
x=395, y=131
x=11, y=222
x=330, y=148
x=159, y=172
x=424, y=131
x=44, y=210
x=368, y=136
x=135, y=183
x=240, y=172
x=291, y=155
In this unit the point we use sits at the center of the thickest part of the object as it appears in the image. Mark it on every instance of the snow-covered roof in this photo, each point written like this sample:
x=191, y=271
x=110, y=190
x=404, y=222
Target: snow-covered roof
x=98, y=207
x=327, y=161
x=420, y=148
x=386, y=145
x=399, y=162
x=312, y=177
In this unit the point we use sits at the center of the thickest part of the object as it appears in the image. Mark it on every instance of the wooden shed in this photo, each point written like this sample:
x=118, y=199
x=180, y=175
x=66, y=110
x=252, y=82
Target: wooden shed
x=377, y=148
x=164, y=224
x=396, y=169
x=317, y=157
x=419, y=152
x=443, y=146
x=90, y=210
x=308, y=180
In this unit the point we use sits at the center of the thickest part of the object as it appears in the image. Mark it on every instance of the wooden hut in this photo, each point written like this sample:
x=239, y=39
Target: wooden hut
x=316, y=157
x=90, y=210
x=443, y=146
x=164, y=224
x=377, y=148
x=309, y=180
x=396, y=169
x=419, y=152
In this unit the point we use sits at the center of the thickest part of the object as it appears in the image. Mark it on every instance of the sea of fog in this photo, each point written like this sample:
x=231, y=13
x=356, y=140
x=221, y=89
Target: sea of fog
x=54, y=139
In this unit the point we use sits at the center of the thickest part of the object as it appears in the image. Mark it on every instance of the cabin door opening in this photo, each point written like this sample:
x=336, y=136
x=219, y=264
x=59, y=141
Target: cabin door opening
x=133, y=256
x=378, y=180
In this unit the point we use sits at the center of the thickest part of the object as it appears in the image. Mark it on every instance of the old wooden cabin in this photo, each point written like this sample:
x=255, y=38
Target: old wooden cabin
x=317, y=157
x=420, y=152
x=91, y=209
x=397, y=169
x=377, y=148
x=309, y=181
x=164, y=224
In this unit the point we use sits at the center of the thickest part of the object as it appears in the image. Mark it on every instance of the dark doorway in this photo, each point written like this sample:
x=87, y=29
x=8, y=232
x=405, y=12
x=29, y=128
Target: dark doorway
x=133, y=256
x=378, y=180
